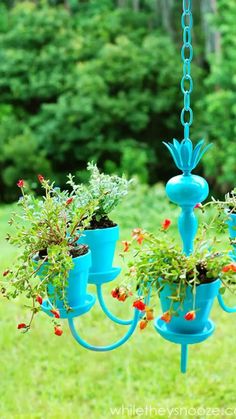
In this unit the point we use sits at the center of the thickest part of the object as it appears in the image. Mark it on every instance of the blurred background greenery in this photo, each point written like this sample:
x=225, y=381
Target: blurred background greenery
x=99, y=80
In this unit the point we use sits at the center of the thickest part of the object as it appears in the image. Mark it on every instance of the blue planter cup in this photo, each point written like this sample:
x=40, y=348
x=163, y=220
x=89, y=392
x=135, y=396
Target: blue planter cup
x=205, y=296
x=102, y=243
x=75, y=292
x=232, y=226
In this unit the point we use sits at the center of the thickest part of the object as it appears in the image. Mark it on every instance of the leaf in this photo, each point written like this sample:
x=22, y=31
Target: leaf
x=222, y=291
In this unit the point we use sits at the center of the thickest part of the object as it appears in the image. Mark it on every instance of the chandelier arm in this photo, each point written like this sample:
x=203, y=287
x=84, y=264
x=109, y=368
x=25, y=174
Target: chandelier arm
x=224, y=306
x=110, y=315
x=107, y=348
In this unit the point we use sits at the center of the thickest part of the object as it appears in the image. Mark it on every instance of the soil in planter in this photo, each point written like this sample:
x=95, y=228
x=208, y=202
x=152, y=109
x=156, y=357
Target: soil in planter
x=75, y=251
x=104, y=222
x=202, y=274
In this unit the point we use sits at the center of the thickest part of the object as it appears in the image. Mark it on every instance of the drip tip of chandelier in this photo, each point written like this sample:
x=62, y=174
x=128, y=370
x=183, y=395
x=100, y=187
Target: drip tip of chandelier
x=185, y=156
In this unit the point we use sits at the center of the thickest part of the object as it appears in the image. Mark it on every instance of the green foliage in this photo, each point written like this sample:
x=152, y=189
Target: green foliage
x=158, y=262
x=92, y=80
x=219, y=116
x=46, y=232
x=106, y=190
x=78, y=85
x=225, y=207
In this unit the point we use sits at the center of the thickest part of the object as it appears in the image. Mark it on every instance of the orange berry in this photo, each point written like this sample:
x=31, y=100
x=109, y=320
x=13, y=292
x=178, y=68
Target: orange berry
x=143, y=324
x=166, y=317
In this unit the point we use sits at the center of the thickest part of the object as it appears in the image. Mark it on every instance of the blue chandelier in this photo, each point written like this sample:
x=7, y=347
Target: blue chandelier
x=186, y=190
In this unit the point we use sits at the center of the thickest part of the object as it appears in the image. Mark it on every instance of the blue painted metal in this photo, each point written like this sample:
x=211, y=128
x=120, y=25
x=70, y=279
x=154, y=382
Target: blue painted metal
x=233, y=255
x=187, y=56
x=184, y=358
x=102, y=243
x=187, y=191
x=184, y=339
x=76, y=310
x=109, y=314
x=205, y=296
x=76, y=291
x=111, y=347
x=224, y=306
x=99, y=278
x=185, y=156
x=232, y=226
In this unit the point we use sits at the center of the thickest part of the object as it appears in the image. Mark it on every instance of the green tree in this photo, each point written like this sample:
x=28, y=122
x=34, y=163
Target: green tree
x=219, y=116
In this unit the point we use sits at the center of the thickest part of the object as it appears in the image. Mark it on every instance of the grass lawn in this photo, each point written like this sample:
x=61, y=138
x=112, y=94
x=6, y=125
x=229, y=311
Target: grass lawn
x=45, y=376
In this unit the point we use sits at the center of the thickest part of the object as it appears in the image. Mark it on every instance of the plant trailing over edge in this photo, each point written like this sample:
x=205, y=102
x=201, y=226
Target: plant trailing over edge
x=107, y=190
x=229, y=203
x=46, y=231
x=157, y=262
x=224, y=209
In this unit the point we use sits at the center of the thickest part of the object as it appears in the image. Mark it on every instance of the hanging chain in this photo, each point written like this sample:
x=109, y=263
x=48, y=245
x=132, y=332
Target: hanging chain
x=187, y=56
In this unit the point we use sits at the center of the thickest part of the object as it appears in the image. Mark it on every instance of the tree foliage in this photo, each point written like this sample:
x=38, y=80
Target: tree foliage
x=99, y=80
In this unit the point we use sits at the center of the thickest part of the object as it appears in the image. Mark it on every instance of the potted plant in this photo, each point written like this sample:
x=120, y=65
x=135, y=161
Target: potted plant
x=51, y=264
x=226, y=216
x=186, y=285
x=230, y=208
x=102, y=233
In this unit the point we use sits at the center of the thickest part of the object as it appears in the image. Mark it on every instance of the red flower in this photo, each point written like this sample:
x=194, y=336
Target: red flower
x=115, y=293
x=143, y=324
x=20, y=183
x=191, y=315
x=56, y=313
x=69, y=200
x=22, y=326
x=5, y=273
x=120, y=293
x=58, y=330
x=139, y=305
x=166, y=224
x=138, y=235
x=166, y=317
x=40, y=178
x=39, y=299
x=230, y=267
x=126, y=245
x=123, y=296
x=199, y=205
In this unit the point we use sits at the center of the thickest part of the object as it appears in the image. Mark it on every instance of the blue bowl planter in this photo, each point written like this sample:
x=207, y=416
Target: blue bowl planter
x=232, y=226
x=182, y=331
x=232, y=234
x=205, y=296
x=76, y=291
x=102, y=243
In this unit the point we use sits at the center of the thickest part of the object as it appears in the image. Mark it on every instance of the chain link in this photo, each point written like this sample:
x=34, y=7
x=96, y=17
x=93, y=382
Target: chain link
x=187, y=56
